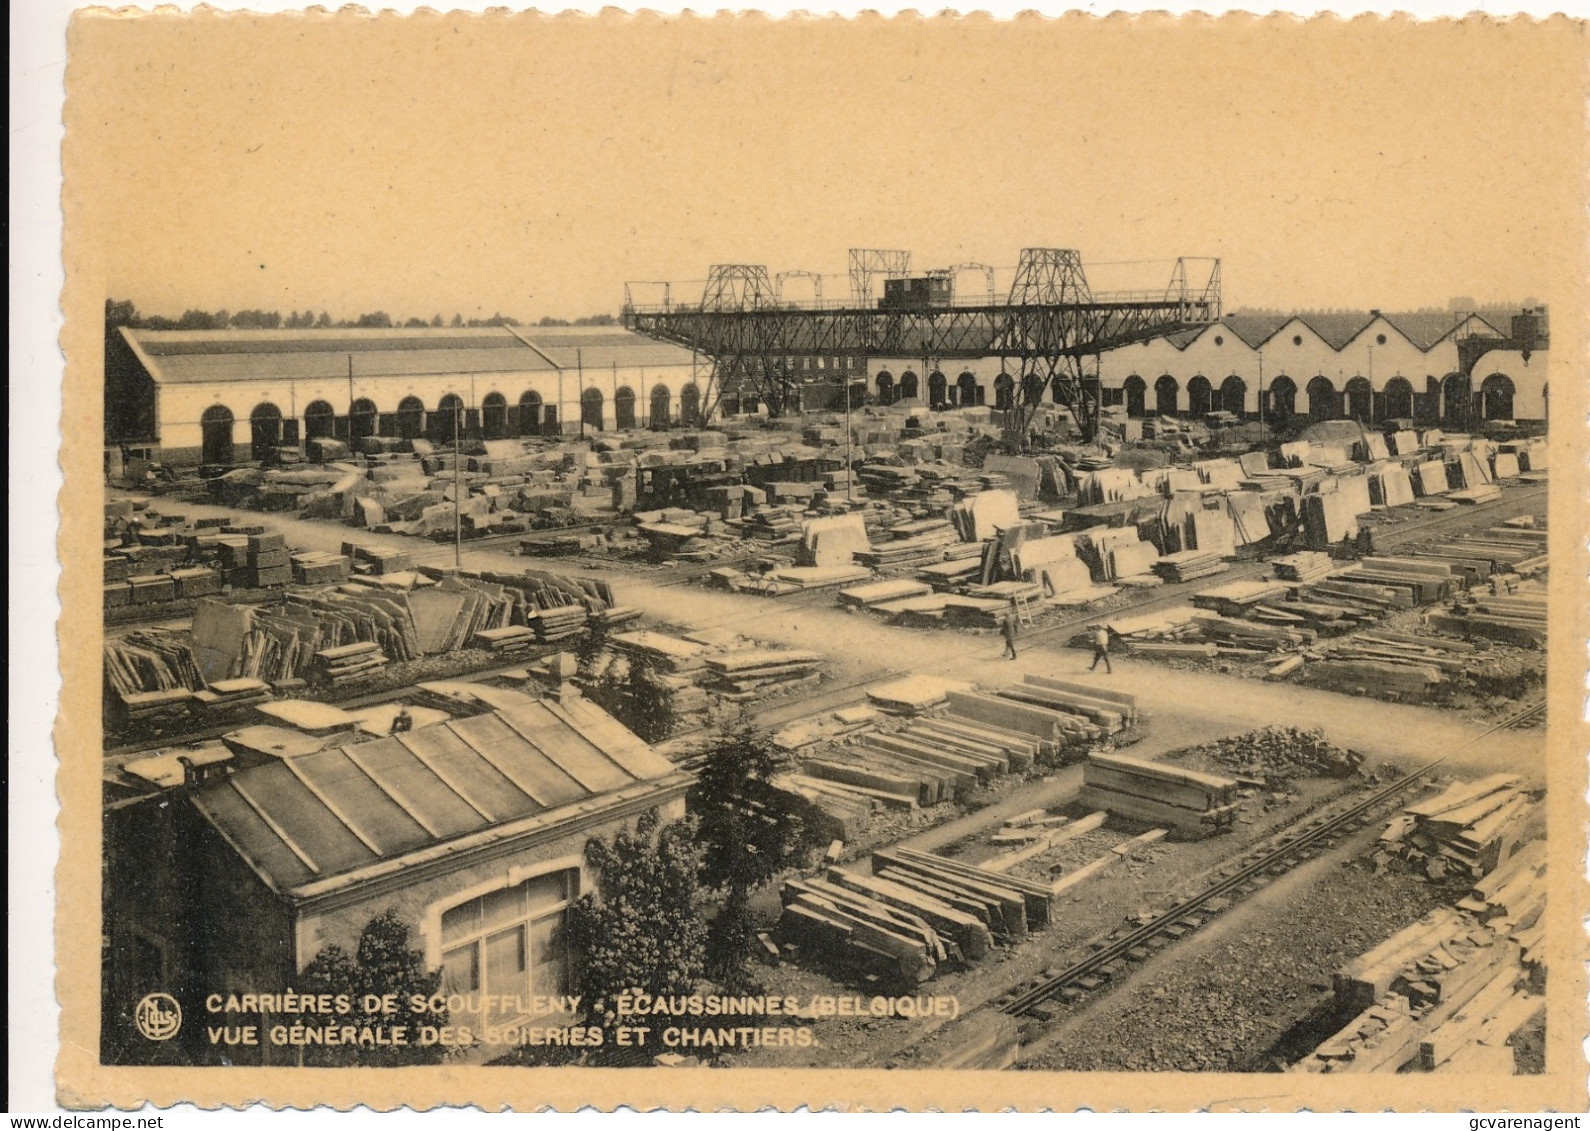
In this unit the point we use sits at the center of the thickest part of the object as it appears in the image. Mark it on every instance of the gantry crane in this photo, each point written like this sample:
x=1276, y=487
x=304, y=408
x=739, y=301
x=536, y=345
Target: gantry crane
x=1047, y=327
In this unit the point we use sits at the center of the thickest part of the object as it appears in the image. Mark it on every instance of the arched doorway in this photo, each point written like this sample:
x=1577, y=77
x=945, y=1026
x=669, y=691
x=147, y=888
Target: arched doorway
x=624, y=407
x=1396, y=402
x=1136, y=390
x=410, y=418
x=1283, y=399
x=591, y=409
x=1360, y=400
x=1004, y=392
x=1496, y=397
x=885, y=384
x=1234, y=395
x=362, y=418
x=1323, y=403
x=661, y=406
x=1165, y=390
x=216, y=427
x=1200, y=396
x=265, y=428
x=530, y=413
x=908, y=386
x=970, y=391
x=494, y=417
x=1457, y=397
x=320, y=419
x=1032, y=387
x=937, y=388
x=447, y=422
x=690, y=405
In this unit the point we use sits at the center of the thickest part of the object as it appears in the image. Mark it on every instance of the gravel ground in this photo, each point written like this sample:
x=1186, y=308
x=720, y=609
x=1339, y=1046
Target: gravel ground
x=1252, y=994
x=1138, y=884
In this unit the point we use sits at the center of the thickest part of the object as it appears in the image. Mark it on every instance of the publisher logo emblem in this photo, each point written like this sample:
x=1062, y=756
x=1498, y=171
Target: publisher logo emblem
x=158, y=1017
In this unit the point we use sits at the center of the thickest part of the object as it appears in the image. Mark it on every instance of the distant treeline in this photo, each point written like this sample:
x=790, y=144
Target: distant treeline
x=122, y=313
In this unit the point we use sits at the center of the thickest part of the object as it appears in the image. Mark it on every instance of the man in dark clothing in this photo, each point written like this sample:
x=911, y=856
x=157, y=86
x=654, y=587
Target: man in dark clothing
x=1008, y=627
x=1101, y=649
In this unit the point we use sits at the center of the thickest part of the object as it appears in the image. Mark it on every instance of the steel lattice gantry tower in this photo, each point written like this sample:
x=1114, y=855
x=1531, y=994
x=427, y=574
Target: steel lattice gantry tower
x=1049, y=325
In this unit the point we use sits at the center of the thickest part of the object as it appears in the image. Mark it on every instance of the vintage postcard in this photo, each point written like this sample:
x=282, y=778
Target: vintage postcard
x=734, y=562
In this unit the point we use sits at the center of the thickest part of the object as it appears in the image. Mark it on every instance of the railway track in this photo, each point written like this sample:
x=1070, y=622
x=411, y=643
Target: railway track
x=1292, y=849
x=1251, y=872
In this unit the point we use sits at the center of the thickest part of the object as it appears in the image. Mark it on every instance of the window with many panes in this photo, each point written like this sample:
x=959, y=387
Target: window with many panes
x=510, y=942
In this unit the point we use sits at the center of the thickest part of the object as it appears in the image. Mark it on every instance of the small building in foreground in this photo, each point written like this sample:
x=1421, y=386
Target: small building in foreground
x=472, y=831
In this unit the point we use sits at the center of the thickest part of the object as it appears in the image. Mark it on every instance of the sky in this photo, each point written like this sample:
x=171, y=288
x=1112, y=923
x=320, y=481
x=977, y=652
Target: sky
x=531, y=166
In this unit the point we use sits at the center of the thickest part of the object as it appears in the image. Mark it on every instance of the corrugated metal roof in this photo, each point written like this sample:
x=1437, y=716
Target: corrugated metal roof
x=1254, y=328
x=189, y=368
x=318, y=815
x=602, y=347
x=191, y=356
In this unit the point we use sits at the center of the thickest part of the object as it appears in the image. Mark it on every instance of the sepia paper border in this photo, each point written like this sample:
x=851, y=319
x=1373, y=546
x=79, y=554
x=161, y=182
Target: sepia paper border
x=1556, y=147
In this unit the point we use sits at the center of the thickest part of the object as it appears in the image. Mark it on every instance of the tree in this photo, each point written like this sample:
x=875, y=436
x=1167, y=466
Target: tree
x=379, y=320
x=323, y=322
x=458, y=320
x=750, y=831
x=436, y=320
x=384, y=963
x=632, y=690
x=641, y=930
x=414, y=322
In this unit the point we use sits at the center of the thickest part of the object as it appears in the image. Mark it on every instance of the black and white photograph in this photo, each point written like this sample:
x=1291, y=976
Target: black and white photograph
x=917, y=562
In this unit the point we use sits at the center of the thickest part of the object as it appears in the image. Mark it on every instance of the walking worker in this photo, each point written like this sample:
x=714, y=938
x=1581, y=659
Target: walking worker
x=1101, y=649
x=1008, y=627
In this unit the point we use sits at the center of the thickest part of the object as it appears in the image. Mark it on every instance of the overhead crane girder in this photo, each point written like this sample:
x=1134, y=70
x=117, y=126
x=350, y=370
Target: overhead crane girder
x=1049, y=324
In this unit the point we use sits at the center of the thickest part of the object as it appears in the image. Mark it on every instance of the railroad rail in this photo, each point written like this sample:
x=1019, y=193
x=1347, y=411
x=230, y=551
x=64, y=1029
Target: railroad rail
x=1293, y=848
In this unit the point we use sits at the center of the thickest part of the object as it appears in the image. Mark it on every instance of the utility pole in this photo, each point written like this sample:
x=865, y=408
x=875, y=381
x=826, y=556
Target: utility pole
x=458, y=486
x=579, y=365
x=350, y=402
x=850, y=473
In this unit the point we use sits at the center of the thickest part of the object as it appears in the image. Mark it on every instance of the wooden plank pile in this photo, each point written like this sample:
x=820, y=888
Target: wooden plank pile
x=1470, y=827
x=319, y=567
x=881, y=592
x=509, y=640
x=198, y=581
x=151, y=660
x=1443, y=969
x=1110, y=711
x=834, y=810
x=916, y=913
x=348, y=662
x=1513, y=896
x=1010, y=907
x=741, y=675
x=1190, y=803
x=231, y=693
x=1308, y=565
x=1053, y=727
x=1426, y=580
x=1239, y=598
x=1189, y=565
x=1518, y=618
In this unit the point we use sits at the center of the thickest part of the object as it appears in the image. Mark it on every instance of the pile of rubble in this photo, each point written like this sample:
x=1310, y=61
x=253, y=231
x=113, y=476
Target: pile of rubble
x=1278, y=753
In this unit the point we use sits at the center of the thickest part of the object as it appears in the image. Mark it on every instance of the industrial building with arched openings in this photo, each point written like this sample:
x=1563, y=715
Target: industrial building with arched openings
x=1370, y=367
x=226, y=396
